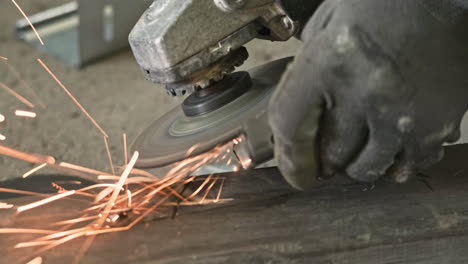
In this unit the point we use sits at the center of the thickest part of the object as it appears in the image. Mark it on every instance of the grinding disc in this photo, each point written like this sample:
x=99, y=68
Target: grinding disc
x=169, y=138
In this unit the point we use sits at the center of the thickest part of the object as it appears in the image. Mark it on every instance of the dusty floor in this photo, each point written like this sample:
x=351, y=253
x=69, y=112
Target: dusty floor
x=112, y=90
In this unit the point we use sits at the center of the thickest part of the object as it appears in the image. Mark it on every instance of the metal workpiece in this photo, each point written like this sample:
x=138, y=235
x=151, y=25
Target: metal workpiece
x=175, y=40
x=169, y=138
x=255, y=145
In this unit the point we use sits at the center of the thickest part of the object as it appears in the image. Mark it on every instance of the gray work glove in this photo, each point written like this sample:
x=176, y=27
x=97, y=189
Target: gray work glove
x=378, y=88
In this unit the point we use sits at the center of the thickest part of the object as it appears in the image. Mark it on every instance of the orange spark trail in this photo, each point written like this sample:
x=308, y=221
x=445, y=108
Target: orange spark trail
x=31, y=172
x=219, y=193
x=125, y=149
x=29, y=21
x=45, y=201
x=2, y=137
x=129, y=194
x=69, y=182
x=6, y=206
x=119, y=186
x=119, y=201
x=208, y=190
x=109, y=155
x=191, y=150
x=15, y=94
x=31, y=158
x=82, y=169
x=37, y=260
x=28, y=114
x=2, y=118
x=26, y=85
x=74, y=221
x=25, y=231
x=3, y=58
x=5, y=190
x=73, y=98
x=201, y=187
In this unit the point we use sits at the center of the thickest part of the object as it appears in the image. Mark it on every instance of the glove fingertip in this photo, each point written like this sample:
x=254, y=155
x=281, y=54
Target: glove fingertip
x=299, y=169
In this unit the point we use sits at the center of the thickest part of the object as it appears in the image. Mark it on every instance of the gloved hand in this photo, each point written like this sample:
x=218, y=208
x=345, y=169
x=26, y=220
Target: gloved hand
x=378, y=88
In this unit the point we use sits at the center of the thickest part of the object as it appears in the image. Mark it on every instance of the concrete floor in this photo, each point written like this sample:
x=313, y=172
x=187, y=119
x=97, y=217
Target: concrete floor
x=113, y=90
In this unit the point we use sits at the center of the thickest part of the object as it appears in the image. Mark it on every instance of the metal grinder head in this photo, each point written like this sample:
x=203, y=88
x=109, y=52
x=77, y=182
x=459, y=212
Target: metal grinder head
x=187, y=44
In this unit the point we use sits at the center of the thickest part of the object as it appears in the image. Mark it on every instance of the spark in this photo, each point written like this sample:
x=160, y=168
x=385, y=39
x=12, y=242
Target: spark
x=208, y=190
x=83, y=249
x=69, y=182
x=56, y=235
x=2, y=118
x=201, y=187
x=191, y=150
x=247, y=163
x=25, y=231
x=37, y=260
x=31, y=91
x=32, y=244
x=59, y=188
x=113, y=218
x=219, y=192
x=29, y=21
x=3, y=58
x=206, y=201
x=119, y=186
x=81, y=169
x=62, y=241
x=104, y=193
x=125, y=149
x=31, y=172
x=2, y=137
x=16, y=95
x=28, y=114
x=5, y=190
x=129, y=194
x=75, y=221
x=73, y=98
x=106, y=143
x=96, y=186
x=6, y=206
x=144, y=173
x=108, y=177
x=45, y=201
x=131, y=225
x=31, y=158
x=121, y=201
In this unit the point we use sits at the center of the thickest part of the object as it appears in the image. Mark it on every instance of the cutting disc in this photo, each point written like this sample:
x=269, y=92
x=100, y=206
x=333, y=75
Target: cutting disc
x=169, y=138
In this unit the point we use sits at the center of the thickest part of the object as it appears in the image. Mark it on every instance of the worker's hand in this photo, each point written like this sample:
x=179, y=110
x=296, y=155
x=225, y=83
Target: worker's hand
x=377, y=89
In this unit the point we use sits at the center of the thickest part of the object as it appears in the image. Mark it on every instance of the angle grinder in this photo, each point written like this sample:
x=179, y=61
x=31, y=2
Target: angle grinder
x=193, y=47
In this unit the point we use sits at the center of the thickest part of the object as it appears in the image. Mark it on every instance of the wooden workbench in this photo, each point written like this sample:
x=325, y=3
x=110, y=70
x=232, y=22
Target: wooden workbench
x=269, y=223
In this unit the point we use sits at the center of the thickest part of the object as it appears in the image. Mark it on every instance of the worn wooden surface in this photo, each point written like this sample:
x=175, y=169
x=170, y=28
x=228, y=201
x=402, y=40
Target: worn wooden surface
x=269, y=223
